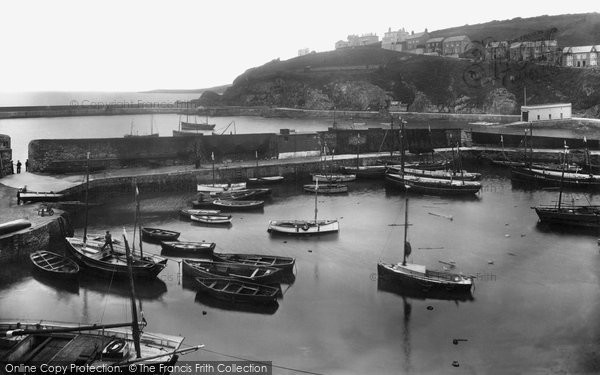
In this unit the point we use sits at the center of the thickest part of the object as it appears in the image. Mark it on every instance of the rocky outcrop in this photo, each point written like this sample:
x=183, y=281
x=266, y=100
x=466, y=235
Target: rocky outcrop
x=500, y=101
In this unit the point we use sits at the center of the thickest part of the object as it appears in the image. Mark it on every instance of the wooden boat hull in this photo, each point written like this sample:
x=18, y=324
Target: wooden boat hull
x=326, y=188
x=210, y=269
x=232, y=205
x=212, y=219
x=446, y=175
x=32, y=196
x=116, y=267
x=265, y=180
x=195, y=126
x=303, y=228
x=388, y=273
x=433, y=186
x=188, y=248
x=54, y=265
x=574, y=217
x=209, y=188
x=283, y=263
x=545, y=177
x=237, y=290
x=157, y=235
x=202, y=203
x=245, y=194
x=153, y=135
x=199, y=212
x=333, y=178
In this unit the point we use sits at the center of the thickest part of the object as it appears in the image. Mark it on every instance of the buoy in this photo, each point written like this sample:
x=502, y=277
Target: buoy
x=429, y=307
x=310, y=251
x=490, y=261
x=284, y=241
x=455, y=364
x=507, y=235
x=203, y=312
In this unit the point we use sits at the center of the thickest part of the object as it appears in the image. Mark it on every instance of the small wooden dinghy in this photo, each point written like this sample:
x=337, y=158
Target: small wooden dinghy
x=212, y=219
x=326, y=188
x=238, y=205
x=283, y=263
x=54, y=264
x=265, y=180
x=188, y=212
x=188, y=248
x=333, y=178
x=246, y=272
x=157, y=235
x=221, y=187
x=237, y=290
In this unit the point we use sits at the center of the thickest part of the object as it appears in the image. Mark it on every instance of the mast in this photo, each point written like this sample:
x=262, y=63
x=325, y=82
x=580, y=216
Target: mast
x=357, y=151
x=138, y=219
x=531, y=143
x=562, y=177
x=212, y=156
x=401, y=145
x=87, y=186
x=405, y=231
x=316, y=194
x=134, y=325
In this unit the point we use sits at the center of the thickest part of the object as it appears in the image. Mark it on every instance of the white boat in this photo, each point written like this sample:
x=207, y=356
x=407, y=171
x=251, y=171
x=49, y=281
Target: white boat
x=333, y=177
x=305, y=227
x=221, y=187
x=212, y=219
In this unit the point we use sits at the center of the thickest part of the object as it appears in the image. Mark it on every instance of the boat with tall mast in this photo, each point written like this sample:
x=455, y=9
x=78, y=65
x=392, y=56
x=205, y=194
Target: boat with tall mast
x=418, y=276
x=152, y=133
x=305, y=227
x=573, y=215
x=91, y=347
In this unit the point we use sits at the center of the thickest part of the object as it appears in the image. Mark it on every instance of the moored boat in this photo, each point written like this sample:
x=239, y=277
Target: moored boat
x=14, y=226
x=40, y=196
x=433, y=186
x=208, y=188
x=246, y=272
x=196, y=126
x=188, y=212
x=265, y=180
x=326, y=188
x=366, y=171
x=226, y=204
x=244, y=194
x=212, y=219
x=188, y=248
x=446, y=175
x=333, y=178
x=54, y=265
x=545, y=177
x=158, y=235
x=303, y=227
x=281, y=262
x=237, y=290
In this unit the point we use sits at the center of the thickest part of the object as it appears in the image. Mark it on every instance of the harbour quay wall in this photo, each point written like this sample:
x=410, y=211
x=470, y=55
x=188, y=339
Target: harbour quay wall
x=6, y=167
x=92, y=110
x=45, y=233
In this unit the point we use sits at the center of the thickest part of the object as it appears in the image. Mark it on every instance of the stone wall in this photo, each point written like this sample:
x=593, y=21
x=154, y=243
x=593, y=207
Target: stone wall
x=5, y=155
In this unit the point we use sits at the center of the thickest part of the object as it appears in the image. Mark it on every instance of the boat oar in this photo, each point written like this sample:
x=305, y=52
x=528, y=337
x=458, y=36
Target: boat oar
x=449, y=217
x=178, y=351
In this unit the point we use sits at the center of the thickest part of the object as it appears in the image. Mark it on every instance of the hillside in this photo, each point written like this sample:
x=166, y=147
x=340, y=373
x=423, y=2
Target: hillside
x=567, y=29
x=369, y=78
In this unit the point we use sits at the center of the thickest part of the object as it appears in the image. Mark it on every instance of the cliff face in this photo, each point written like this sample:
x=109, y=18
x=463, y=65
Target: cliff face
x=368, y=78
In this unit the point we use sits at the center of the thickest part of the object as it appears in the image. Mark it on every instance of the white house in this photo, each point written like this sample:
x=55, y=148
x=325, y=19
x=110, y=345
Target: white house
x=532, y=113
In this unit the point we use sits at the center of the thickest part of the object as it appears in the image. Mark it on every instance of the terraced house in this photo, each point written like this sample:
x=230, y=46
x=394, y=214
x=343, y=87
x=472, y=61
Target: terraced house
x=581, y=56
x=455, y=45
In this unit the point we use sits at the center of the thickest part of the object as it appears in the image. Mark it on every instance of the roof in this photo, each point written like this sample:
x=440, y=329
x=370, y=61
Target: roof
x=540, y=106
x=457, y=38
x=497, y=44
x=417, y=35
x=516, y=45
x=580, y=49
x=434, y=40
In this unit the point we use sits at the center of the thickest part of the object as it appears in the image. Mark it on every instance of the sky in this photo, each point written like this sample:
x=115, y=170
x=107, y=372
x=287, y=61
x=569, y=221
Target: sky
x=142, y=45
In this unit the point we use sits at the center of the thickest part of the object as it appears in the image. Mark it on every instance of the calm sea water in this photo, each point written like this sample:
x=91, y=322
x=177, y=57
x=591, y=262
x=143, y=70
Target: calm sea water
x=534, y=307
x=43, y=98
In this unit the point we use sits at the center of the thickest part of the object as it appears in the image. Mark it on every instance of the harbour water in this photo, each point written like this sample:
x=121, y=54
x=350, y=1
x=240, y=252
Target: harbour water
x=534, y=307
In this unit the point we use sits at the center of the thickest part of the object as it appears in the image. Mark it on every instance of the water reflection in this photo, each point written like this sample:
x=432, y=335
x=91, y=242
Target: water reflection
x=207, y=300
x=14, y=272
x=146, y=290
x=423, y=294
x=61, y=285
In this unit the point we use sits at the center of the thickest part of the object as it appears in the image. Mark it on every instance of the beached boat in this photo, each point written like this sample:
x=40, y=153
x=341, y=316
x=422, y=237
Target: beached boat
x=237, y=290
x=245, y=194
x=158, y=235
x=208, y=188
x=212, y=219
x=226, y=204
x=39, y=196
x=418, y=276
x=204, y=200
x=283, y=263
x=188, y=212
x=246, y=272
x=90, y=256
x=188, y=248
x=14, y=226
x=53, y=264
x=333, y=178
x=303, y=227
x=326, y=188
x=265, y=180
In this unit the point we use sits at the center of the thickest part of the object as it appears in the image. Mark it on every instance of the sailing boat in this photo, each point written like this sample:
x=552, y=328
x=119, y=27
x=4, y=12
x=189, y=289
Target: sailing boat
x=216, y=188
x=152, y=133
x=305, y=227
x=428, y=185
x=579, y=216
x=186, y=125
x=94, y=347
x=418, y=276
x=89, y=255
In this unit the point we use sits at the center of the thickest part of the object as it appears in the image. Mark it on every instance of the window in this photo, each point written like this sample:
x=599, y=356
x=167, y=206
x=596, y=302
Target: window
x=561, y=116
x=549, y=116
x=538, y=117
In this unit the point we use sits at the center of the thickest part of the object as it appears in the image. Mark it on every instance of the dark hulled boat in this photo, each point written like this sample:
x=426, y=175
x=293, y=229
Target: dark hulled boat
x=227, y=204
x=326, y=188
x=54, y=265
x=40, y=196
x=366, y=171
x=265, y=180
x=246, y=272
x=548, y=177
x=188, y=248
x=196, y=126
x=283, y=263
x=237, y=290
x=158, y=235
x=188, y=212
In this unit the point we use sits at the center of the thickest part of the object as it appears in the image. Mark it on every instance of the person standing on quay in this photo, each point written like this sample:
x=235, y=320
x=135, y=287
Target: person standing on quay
x=27, y=165
x=19, y=166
